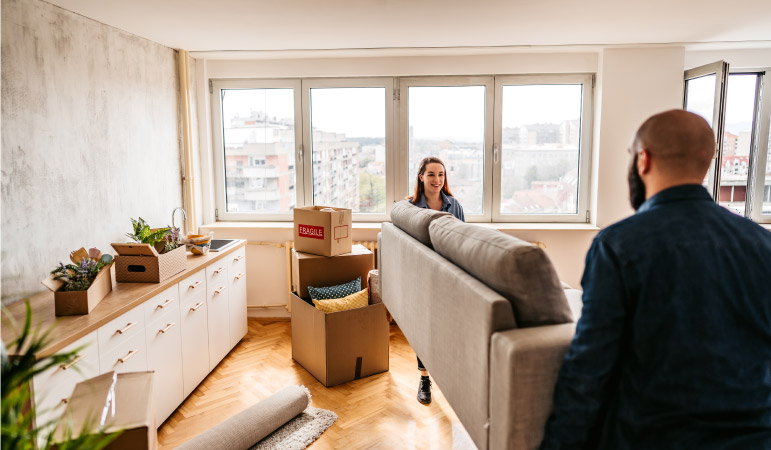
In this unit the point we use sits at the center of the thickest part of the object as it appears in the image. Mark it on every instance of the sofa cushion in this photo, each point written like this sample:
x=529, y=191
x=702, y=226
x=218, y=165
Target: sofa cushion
x=339, y=291
x=353, y=301
x=516, y=269
x=414, y=220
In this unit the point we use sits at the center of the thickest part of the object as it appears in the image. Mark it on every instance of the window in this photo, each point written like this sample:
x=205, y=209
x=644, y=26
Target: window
x=516, y=148
x=738, y=102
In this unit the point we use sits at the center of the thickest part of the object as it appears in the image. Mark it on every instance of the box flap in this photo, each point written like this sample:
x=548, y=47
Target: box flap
x=133, y=402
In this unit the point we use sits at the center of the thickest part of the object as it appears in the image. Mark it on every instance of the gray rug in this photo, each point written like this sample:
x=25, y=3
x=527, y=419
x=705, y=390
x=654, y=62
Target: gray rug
x=299, y=432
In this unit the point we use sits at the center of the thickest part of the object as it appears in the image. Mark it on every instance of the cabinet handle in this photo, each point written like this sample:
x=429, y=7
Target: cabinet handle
x=193, y=286
x=72, y=363
x=197, y=305
x=218, y=291
x=238, y=258
x=126, y=328
x=166, y=303
x=168, y=327
x=238, y=276
x=128, y=355
x=219, y=270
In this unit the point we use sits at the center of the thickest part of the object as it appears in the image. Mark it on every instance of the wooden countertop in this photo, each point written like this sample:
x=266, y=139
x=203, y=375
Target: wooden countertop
x=124, y=297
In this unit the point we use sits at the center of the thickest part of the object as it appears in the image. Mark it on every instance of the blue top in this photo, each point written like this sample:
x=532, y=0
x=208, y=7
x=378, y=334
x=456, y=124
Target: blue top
x=449, y=204
x=673, y=348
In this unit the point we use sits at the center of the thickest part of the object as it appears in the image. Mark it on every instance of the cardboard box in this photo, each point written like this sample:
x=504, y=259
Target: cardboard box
x=68, y=303
x=326, y=233
x=323, y=271
x=150, y=269
x=112, y=402
x=341, y=346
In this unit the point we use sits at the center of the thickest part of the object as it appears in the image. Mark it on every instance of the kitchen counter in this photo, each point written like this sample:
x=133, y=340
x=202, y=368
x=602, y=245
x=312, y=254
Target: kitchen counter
x=65, y=330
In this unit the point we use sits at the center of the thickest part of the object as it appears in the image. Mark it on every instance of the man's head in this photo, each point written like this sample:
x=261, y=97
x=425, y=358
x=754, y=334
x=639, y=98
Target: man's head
x=671, y=148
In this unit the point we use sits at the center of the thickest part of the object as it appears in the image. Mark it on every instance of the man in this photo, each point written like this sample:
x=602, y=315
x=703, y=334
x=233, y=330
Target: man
x=673, y=348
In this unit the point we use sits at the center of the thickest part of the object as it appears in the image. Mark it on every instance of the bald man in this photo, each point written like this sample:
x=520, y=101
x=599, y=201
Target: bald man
x=673, y=348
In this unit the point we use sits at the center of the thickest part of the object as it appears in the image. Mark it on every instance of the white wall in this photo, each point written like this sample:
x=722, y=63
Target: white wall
x=89, y=138
x=632, y=84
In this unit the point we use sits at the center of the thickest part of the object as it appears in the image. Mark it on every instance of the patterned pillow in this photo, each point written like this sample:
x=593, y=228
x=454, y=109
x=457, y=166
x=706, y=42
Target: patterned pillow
x=339, y=291
x=353, y=301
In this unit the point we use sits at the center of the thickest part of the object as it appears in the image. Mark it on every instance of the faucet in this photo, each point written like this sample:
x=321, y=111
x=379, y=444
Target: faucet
x=184, y=219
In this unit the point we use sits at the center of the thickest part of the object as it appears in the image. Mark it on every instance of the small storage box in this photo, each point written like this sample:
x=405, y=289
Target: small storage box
x=150, y=269
x=69, y=303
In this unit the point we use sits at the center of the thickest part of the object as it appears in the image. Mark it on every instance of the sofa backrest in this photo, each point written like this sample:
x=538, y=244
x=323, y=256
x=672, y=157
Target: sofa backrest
x=448, y=317
x=414, y=220
x=519, y=270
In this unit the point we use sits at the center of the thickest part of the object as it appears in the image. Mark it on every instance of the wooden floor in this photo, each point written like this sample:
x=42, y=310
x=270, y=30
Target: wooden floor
x=377, y=412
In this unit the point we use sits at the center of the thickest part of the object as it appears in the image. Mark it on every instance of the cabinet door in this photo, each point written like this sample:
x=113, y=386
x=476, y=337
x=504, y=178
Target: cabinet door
x=52, y=389
x=164, y=356
x=122, y=345
x=195, y=332
x=218, y=312
x=237, y=296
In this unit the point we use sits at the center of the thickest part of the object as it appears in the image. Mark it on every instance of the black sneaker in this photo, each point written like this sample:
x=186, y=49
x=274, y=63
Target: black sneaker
x=424, y=390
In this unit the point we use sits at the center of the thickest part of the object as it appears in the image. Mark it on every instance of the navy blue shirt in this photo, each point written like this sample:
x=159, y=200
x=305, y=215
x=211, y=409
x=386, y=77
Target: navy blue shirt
x=673, y=348
x=449, y=204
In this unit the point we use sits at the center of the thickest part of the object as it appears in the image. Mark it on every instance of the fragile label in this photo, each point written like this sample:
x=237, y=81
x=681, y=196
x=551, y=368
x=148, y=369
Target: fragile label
x=310, y=231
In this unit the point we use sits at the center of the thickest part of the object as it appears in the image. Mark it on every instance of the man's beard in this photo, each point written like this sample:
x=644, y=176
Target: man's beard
x=636, y=186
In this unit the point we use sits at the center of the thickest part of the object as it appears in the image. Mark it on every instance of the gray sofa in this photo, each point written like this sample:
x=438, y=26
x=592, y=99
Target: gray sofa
x=497, y=376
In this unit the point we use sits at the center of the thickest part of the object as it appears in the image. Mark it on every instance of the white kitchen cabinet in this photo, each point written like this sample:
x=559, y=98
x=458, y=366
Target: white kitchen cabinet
x=164, y=351
x=195, y=331
x=218, y=312
x=122, y=346
x=52, y=389
x=237, y=296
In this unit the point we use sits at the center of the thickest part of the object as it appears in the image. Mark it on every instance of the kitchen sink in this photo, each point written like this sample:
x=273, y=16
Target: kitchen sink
x=218, y=245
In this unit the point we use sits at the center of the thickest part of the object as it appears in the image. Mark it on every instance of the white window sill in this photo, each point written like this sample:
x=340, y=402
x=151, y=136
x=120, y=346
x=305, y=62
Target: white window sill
x=376, y=226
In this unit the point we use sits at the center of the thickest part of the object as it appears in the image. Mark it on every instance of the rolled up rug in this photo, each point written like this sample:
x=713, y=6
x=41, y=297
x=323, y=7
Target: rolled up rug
x=254, y=423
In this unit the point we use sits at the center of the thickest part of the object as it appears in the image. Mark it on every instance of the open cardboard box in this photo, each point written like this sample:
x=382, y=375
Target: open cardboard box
x=341, y=346
x=148, y=268
x=68, y=303
x=109, y=403
x=326, y=233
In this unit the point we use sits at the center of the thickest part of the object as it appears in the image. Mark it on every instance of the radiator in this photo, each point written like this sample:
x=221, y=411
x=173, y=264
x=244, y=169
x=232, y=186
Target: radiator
x=288, y=246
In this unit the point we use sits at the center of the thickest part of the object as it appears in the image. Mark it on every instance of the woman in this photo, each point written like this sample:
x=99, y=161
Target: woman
x=432, y=191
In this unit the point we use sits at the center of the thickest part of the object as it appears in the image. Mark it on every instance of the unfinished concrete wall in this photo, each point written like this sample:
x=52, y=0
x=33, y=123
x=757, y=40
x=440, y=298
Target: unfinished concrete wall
x=90, y=138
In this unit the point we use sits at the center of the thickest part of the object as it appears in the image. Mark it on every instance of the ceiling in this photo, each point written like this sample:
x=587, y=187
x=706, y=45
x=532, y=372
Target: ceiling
x=201, y=25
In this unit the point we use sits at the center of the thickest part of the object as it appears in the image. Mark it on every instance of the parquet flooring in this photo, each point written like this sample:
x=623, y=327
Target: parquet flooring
x=377, y=412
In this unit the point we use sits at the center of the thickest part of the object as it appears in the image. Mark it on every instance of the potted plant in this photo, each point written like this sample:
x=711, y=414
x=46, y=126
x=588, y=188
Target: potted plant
x=80, y=286
x=162, y=239
x=19, y=428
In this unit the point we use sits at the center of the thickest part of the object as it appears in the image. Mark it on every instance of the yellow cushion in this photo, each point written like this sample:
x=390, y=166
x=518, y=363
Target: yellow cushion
x=353, y=301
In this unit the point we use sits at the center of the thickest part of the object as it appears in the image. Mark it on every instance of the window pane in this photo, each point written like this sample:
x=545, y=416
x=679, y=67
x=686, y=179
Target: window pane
x=258, y=134
x=449, y=122
x=541, y=147
x=737, y=138
x=348, y=148
x=700, y=96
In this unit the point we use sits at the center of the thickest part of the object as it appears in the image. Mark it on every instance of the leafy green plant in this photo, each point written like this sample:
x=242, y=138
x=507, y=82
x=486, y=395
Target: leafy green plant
x=162, y=239
x=18, y=429
x=78, y=277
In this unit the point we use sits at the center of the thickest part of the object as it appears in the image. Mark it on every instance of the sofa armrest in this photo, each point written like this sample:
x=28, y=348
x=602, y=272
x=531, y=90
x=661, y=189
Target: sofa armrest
x=524, y=364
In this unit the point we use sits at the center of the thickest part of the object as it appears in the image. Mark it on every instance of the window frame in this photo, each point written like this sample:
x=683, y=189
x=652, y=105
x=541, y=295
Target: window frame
x=218, y=144
x=448, y=81
x=307, y=145
x=585, y=146
x=397, y=140
x=760, y=146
